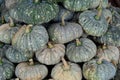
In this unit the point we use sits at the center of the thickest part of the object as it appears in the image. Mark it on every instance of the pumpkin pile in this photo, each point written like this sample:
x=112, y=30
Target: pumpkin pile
x=59, y=40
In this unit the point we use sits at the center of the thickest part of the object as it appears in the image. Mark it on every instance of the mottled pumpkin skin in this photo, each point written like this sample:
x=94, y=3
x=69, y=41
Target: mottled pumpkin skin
x=51, y=56
x=17, y=56
x=6, y=69
x=82, y=53
x=34, y=40
x=91, y=25
x=24, y=71
x=29, y=12
x=62, y=11
x=66, y=33
x=7, y=33
x=111, y=53
x=111, y=37
x=107, y=13
x=94, y=71
x=59, y=73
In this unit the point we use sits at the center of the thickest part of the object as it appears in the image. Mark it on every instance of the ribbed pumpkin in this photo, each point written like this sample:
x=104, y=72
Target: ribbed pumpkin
x=31, y=71
x=81, y=50
x=17, y=56
x=66, y=71
x=6, y=69
x=93, y=70
x=62, y=11
x=110, y=53
x=81, y=5
x=7, y=31
x=64, y=32
x=30, y=38
x=51, y=54
x=34, y=11
x=93, y=22
x=111, y=37
x=107, y=13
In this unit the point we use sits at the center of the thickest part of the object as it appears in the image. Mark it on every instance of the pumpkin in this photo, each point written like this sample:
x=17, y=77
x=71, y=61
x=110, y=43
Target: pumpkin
x=81, y=5
x=17, y=56
x=51, y=54
x=66, y=71
x=111, y=37
x=34, y=11
x=64, y=32
x=107, y=13
x=30, y=38
x=10, y=3
x=93, y=22
x=98, y=70
x=31, y=71
x=81, y=50
x=111, y=53
x=62, y=11
x=6, y=69
x=7, y=31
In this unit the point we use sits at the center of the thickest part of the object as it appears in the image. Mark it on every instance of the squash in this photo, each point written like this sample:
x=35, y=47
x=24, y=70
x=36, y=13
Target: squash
x=17, y=56
x=52, y=54
x=7, y=31
x=93, y=22
x=110, y=53
x=10, y=3
x=31, y=71
x=6, y=69
x=111, y=37
x=30, y=38
x=107, y=13
x=34, y=11
x=81, y=50
x=98, y=69
x=62, y=11
x=66, y=71
x=64, y=32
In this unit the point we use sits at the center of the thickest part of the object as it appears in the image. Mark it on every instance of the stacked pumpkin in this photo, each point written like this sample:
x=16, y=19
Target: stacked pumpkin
x=77, y=38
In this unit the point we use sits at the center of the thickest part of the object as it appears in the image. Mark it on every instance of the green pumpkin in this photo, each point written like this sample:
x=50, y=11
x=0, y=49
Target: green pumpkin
x=6, y=69
x=93, y=23
x=51, y=54
x=81, y=50
x=111, y=37
x=34, y=11
x=31, y=71
x=92, y=70
x=107, y=13
x=30, y=38
x=7, y=31
x=17, y=56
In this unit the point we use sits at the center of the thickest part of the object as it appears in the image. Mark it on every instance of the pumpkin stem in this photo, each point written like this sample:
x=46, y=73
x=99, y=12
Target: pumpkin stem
x=3, y=20
x=104, y=46
x=78, y=43
x=109, y=20
x=50, y=45
x=36, y=1
x=99, y=11
x=17, y=79
x=11, y=22
x=63, y=18
x=28, y=28
x=100, y=60
x=31, y=62
x=66, y=66
x=0, y=61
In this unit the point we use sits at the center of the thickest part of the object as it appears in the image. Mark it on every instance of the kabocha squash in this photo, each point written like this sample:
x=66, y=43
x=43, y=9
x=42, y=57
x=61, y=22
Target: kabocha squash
x=111, y=37
x=30, y=38
x=31, y=71
x=7, y=31
x=98, y=70
x=34, y=11
x=64, y=32
x=17, y=56
x=62, y=11
x=93, y=22
x=6, y=69
x=52, y=54
x=66, y=71
x=81, y=50
x=110, y=53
